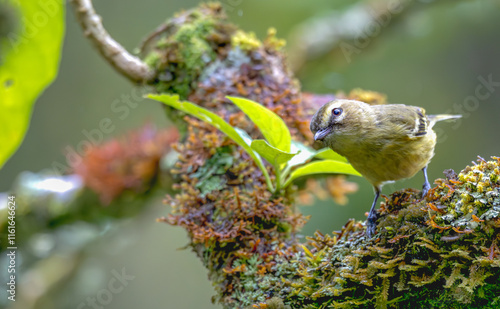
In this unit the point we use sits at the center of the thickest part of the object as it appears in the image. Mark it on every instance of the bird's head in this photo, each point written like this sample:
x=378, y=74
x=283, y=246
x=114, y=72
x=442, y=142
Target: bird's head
x=337, y=117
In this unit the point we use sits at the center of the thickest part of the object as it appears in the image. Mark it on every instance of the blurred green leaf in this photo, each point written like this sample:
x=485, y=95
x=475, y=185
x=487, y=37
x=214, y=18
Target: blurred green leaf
x=328, y=154
x=29, y=63
x=213, y=119
x=322, y=167
x=272, y=155
x=271, y=125
x=244, y=135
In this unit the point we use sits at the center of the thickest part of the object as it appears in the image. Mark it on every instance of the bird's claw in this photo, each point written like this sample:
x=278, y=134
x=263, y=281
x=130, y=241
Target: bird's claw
x=371, y=225
x=425, y=189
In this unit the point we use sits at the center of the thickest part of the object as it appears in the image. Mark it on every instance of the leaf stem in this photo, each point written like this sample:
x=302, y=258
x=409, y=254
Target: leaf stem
x=266, y=175
x=285, y=172
x=277, y=171
x=287, y=182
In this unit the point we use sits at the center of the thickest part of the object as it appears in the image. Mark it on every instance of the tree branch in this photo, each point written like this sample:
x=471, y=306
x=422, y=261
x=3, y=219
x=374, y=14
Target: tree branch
x=114, y=53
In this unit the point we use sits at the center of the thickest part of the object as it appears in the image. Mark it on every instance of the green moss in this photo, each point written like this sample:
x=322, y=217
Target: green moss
x=152, y=59
x=209, y=175
x=182, y=51
x=190, y=46
x=195, y=51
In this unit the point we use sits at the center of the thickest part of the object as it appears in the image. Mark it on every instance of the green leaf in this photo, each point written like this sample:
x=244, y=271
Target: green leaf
x=322, y=167
x=272, y=155
x=304, y=154
x=29, y=62
x=244, y=135
x=270, y=125
x=328, y=154
x=209, y=117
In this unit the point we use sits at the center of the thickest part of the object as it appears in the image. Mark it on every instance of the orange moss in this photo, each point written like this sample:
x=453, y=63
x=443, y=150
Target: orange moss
x=127, y=163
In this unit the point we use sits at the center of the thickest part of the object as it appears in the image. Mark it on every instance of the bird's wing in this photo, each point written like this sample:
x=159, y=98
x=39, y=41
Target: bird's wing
x=409, y=121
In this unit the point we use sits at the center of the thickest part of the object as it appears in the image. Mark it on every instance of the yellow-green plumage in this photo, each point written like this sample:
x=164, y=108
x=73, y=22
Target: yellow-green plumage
x=383, y=142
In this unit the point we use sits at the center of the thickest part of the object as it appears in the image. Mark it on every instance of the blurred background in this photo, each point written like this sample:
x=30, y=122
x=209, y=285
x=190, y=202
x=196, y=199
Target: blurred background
x=434, y=55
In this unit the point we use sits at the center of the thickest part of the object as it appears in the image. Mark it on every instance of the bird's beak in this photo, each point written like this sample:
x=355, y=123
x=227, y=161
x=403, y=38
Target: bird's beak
x=321, y=134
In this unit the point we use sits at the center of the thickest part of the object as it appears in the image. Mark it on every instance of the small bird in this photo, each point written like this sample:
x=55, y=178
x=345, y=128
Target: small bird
x=383, y=142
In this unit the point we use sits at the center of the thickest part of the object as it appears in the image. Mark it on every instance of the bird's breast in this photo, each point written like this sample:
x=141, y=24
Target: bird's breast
x=388, y=160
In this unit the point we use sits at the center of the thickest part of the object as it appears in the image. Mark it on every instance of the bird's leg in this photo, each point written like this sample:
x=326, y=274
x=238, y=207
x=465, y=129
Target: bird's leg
x=427, y=186
x=371, y=226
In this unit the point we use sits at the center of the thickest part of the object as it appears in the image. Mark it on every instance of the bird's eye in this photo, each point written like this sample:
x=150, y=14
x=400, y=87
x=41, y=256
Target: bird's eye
x=337, y=111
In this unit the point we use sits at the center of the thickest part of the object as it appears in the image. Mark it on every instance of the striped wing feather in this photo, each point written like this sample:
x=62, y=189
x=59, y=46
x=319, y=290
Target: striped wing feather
x=411, y=120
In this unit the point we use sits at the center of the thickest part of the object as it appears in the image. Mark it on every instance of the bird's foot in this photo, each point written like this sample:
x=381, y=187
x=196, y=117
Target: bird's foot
x=425, y=189
x=371, y=225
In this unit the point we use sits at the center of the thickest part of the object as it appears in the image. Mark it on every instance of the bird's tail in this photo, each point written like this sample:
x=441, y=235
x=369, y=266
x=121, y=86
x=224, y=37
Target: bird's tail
x=435, y=118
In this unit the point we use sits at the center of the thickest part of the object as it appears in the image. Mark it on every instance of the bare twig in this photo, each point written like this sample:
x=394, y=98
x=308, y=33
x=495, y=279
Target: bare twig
x=125, y=63
x=150, y=38
x=175, y=21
